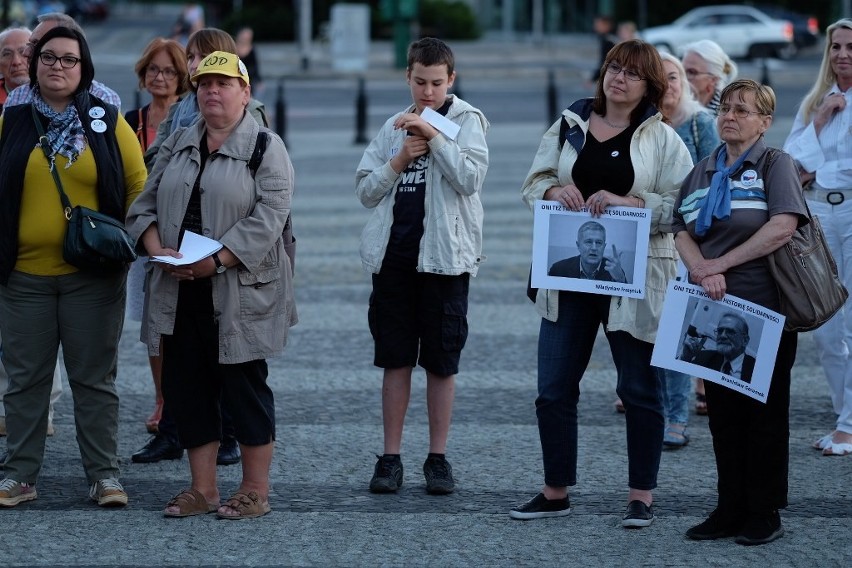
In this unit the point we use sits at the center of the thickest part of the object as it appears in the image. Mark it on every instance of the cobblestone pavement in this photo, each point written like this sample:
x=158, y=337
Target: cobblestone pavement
x=329, y=428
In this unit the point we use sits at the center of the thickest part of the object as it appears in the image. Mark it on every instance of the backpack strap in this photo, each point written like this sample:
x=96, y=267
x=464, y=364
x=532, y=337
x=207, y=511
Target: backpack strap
x=259, y=150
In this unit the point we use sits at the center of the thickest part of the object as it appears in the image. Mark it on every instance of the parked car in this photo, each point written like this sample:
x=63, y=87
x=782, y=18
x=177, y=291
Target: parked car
x=806, y=29
x=742, y=31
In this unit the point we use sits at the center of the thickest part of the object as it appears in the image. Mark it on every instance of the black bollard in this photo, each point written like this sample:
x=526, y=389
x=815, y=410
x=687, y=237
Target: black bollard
x=764, y=78
x=552, y=97
x=361, y=113
x=281, y=112
x=138, y=98
x=457, y=87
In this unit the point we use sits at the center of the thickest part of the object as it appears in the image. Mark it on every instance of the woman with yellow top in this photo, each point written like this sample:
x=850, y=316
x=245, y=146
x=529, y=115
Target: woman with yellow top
x=45, y=302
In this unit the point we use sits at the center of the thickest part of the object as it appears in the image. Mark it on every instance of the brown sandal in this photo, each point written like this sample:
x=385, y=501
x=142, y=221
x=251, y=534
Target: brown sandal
x=247, y=506
x=190, y=502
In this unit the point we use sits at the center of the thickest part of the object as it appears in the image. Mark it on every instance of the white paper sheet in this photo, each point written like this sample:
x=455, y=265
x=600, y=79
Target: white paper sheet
x=194, y=247
x=447, y=127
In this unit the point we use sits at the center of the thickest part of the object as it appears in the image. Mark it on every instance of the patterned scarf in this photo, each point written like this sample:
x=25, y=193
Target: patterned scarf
x=64, y=132
x=717, y=203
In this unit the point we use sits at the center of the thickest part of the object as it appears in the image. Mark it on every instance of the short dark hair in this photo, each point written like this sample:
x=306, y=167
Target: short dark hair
x=431, y=51
x=87, y=68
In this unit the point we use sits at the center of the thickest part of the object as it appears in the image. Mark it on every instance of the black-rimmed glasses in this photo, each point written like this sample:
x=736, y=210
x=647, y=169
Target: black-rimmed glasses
x=66, y=61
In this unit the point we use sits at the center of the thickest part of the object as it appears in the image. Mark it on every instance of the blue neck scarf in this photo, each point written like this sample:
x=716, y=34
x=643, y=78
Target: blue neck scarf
x=717, y=203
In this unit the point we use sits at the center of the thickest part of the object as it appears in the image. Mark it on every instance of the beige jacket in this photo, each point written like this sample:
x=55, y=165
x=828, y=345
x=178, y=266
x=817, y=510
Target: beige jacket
x=660, y=162
x=253, y=302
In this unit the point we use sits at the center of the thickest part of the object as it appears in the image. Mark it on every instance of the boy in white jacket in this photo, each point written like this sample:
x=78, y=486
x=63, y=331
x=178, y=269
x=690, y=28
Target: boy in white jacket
x=422, y=243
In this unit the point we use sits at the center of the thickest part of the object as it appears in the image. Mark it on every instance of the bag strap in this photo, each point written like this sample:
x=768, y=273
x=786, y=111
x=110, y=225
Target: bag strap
x=772, y=153
x=254, y=164
x=45, y=147
x=259, y=150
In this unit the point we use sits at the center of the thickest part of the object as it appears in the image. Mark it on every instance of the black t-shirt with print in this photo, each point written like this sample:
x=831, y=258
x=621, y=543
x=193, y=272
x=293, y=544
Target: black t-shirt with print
x=409, y=211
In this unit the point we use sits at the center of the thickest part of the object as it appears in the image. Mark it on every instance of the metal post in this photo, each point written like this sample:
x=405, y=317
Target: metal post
x=137, y=98
x=457, y=87
x=764, y=77
x=552, y=97
x=281, y=112
x=361, y=113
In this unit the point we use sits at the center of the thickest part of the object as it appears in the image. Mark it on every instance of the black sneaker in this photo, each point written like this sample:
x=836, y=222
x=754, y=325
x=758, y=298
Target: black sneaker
x=760, y=529
x=387, y=477
x=439, y=476
x=540, y=507
x=638, y=515
x=717, y=525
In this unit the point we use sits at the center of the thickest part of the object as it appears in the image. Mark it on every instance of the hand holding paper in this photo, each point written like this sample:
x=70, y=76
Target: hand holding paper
x=194, y=247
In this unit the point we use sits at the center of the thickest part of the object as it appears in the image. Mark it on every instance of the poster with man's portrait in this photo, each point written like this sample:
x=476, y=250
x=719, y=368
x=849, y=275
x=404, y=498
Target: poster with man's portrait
x=731, y=341
x=603, y=255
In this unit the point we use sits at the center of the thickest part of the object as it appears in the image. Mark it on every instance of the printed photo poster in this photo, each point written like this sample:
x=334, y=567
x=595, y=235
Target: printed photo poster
x=602, y=255
x=731, y=341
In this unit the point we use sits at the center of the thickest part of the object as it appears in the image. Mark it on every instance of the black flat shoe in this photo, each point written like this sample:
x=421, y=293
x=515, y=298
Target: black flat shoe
x=158, y=448
x=229, y=452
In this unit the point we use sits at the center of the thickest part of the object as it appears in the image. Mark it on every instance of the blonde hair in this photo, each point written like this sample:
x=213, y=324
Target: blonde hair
x=687, y=105
x=826, y=77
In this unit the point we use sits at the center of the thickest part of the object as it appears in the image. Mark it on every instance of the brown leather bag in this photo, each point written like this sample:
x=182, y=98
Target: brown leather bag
x=806, y=275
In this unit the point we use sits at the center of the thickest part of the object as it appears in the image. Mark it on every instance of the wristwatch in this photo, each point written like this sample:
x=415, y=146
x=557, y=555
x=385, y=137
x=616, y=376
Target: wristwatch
x=220, y=268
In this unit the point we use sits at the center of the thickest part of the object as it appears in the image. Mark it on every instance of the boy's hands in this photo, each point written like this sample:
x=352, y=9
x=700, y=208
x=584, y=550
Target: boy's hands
x=414, y=123
x=412, y=148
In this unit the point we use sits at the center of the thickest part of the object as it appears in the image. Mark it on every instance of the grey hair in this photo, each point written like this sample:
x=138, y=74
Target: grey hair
x=718, y=63
x=63, y=20
x=8, y=31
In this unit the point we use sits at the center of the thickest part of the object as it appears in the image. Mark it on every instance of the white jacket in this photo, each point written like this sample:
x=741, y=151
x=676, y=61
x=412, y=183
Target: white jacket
x=660, y=163
x=452, y=228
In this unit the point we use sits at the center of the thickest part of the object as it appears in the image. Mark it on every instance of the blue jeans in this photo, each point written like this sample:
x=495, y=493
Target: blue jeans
x=564, y=350
x=676, y=389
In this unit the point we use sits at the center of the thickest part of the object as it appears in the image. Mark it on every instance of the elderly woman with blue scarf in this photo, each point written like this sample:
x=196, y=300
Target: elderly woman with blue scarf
x=736, y=207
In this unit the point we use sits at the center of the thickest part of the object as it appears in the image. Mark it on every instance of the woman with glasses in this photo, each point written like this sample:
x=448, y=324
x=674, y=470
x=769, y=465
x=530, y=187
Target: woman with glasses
x=819, y=142
x=708, y=69
x=610, y=150
x=162, y=71
x=201, y=44
x=44, y=301
x=735, y=208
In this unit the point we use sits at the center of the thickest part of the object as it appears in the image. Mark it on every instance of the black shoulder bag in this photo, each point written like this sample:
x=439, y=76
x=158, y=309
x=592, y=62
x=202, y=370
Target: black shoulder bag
x=93, y=241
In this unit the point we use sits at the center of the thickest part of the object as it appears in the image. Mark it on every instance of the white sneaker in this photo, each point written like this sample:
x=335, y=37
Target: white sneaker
x=14, y=492
x=108, y=493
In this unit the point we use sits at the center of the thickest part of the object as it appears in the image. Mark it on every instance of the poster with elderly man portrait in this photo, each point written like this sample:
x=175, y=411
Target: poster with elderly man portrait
x=730, y=341
x=602, y=255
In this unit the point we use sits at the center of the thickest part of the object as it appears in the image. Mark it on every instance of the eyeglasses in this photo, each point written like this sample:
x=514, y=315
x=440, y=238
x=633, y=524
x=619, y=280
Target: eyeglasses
x=66, y=61
x=615, y=69
x=168, y=73
x=9, y=53
x=693, y=73
x=739, y=112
